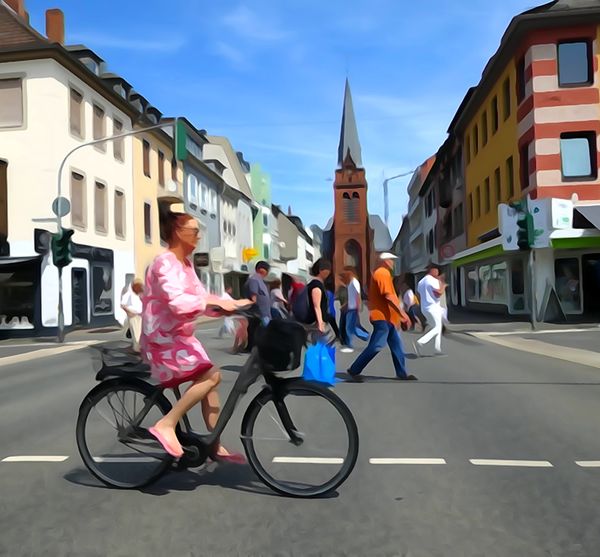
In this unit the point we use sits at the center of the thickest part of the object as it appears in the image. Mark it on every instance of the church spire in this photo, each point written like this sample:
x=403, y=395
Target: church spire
x=349, y=144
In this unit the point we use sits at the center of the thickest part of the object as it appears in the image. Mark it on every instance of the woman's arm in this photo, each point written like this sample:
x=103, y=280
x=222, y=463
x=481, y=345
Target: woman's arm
x=316, y=296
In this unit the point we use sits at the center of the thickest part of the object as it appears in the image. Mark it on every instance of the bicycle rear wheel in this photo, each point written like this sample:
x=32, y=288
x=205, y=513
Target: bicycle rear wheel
x=327, y=449
x=112, y=435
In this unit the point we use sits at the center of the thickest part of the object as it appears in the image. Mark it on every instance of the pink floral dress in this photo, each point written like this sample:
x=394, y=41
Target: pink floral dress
x=173, y=298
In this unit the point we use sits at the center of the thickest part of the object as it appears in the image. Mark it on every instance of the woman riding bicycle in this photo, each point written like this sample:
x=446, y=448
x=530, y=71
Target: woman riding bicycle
x=174, y=297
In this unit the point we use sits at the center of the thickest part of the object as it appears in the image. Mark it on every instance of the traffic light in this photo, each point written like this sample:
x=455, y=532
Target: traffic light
x=180, y=140
x=61, y=247
x=525, y=228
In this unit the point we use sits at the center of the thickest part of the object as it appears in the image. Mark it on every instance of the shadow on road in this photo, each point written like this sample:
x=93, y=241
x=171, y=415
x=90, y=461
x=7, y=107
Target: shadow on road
x=238, y=478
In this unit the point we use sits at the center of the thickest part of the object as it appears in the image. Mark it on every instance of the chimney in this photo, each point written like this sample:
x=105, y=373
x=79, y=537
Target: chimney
x=19, y=7
x=55, y=26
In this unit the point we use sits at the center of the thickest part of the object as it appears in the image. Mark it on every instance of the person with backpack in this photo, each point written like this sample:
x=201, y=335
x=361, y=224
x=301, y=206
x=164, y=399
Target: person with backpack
x=311, y=305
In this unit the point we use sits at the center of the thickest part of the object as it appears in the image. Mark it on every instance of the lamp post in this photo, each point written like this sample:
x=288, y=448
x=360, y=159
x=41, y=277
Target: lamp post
x=59, y=214
x=385, y=193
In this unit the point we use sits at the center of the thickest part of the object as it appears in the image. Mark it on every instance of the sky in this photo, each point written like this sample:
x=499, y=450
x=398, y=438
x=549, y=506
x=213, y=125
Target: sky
x=270, y=74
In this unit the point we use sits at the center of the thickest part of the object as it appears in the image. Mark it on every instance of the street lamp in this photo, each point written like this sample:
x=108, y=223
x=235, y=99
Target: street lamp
x=179, y=153
x=385, y=193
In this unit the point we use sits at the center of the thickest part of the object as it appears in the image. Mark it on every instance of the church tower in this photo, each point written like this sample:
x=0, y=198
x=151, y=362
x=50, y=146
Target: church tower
x=352, y=236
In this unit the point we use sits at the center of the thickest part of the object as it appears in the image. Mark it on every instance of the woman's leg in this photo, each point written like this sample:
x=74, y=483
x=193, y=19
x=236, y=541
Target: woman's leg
x=195, y=393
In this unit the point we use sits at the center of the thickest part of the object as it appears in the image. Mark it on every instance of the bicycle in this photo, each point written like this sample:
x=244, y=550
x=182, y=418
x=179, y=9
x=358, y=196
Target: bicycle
x=129, y=404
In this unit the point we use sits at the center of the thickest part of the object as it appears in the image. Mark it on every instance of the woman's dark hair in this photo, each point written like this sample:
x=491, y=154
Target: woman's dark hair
x=319, y=265
x=171, y=222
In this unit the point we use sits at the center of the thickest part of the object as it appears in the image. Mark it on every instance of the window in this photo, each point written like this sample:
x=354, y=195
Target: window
x=11, y=103
x=118, y=143
x=517, y=281
x=266, y=251
x=471, y=207
x=78, y=201
x=99, y=126
x=493, y=283
x=494, y=115
x=458, y=220
x=76, y=118
x=484, y=128
x=148, y=222
x=524, y=166
x=486, y=195
x=497, y=185
x=265, y=220
x=430, y=242
x=102, y=290
x=578, y=156
x=174, y=169
x=192, y=190
x=161, y=169
x=506, y=98
x=146, y=157
x=567, y=283
x=100, y=207
x=575, y=64
x=468, y=149
x=119, y=214
x=510, y=178
x=476, y=140
x=429, y=203
x=477, y=202
x=472, y=284
x=520, y=80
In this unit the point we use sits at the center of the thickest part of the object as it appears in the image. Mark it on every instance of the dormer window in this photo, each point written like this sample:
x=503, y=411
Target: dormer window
x=90, y=64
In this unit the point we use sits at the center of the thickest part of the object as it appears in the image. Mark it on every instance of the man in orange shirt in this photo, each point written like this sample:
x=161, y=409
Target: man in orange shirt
x=386, y=315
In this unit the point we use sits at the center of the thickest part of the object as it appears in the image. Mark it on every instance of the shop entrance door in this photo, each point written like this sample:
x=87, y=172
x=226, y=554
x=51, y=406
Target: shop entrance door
x=590, y=267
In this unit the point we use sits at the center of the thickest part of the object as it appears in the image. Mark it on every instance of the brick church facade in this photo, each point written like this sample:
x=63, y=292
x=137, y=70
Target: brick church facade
x=353, y=237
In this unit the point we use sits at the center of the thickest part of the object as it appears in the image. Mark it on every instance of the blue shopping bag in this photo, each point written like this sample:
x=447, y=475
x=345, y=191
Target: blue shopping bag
x=319, y=364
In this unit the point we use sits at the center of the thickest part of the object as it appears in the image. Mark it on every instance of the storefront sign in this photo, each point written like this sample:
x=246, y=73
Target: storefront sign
x=562, y=213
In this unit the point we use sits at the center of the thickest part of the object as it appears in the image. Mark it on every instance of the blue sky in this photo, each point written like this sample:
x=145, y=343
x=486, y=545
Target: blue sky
x=270, y=75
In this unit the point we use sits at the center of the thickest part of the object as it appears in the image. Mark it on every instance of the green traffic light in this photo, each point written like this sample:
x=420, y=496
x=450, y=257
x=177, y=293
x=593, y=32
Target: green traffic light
x=61, y=247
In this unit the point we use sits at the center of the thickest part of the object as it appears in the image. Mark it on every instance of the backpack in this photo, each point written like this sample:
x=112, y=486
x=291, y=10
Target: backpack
x=300, y=305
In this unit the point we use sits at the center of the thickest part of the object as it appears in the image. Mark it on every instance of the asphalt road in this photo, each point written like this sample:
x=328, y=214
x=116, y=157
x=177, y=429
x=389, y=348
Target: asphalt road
x=482, y=410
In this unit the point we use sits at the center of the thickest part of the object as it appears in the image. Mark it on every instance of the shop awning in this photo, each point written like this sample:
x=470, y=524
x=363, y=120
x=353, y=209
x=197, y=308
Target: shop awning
x=6, y=261
x=591, y=213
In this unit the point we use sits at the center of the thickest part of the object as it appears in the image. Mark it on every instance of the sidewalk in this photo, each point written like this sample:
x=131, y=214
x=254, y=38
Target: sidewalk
x=24, y=349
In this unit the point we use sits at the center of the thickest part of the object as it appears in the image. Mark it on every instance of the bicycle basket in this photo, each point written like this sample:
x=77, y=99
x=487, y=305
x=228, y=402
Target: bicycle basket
x=280, y=345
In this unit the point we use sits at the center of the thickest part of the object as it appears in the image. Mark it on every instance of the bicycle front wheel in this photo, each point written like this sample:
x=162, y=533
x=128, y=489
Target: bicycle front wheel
x=112, y=435
x=324, y=450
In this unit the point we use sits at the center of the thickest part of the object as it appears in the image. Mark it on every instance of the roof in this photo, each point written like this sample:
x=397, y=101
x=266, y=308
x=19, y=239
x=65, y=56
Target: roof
x=16, y=33
x=559, y=13
x=349, y=144
x=382, y=241
x=234, y=164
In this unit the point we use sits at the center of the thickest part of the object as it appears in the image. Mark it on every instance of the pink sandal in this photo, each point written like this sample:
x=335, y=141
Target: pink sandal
x=165, y=443
x=233, y=458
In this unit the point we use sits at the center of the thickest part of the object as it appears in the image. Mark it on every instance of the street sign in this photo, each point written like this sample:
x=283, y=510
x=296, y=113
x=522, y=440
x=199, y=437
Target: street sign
x=508, y=227
x=61, y=206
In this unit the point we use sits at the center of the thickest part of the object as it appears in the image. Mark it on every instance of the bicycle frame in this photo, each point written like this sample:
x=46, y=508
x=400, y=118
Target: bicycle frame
x=206, y=444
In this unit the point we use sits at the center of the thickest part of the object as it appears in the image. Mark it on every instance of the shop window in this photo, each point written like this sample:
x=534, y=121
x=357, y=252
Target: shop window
x=102, y=289
x=568, y=284
x=517, y=281
x=578, y=156
x=19, y=284
x=472, y=284
x=575, y=66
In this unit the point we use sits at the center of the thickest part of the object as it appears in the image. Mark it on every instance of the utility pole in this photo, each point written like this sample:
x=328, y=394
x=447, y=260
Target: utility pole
x=386, y=209
x=179, y=150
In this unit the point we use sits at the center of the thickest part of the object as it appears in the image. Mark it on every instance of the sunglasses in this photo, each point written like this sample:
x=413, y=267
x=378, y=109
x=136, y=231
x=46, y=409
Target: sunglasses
x=195, y=230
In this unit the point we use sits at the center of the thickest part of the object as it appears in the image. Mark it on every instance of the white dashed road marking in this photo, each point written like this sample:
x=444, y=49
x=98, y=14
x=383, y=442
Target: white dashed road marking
x=136, y=459
x=524, y=463
x=407, y=461
x=35, y=459
x=588, y=463
x=306, y=460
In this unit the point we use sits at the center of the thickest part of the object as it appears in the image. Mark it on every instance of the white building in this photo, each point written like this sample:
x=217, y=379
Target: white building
x=52, y=99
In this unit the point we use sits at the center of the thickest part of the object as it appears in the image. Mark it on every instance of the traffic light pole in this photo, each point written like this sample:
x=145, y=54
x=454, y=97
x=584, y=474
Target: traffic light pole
x=534, y=323
x=61, y=315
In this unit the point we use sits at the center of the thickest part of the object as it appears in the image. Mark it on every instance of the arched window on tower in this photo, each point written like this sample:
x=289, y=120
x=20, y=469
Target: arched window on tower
x=350, y=205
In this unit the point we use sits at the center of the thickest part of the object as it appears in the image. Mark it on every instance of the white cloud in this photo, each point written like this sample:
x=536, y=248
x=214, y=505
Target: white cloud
x=250, y=25
x=282, y=148
x=95, y=39
x=233, y=55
